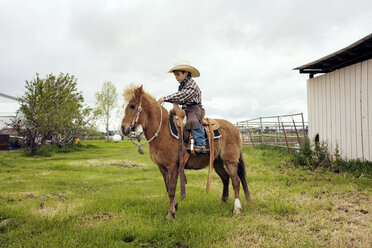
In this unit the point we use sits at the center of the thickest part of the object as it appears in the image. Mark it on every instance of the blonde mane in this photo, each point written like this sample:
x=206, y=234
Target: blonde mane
x=130, y=90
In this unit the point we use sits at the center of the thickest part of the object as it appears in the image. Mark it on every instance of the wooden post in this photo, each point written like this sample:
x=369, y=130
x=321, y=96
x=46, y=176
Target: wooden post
x=294, y=125
x=285, y=136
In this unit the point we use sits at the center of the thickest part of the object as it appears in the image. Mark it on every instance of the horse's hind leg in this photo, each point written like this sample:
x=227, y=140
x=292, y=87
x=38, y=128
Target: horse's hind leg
x=221, y=171
x=233, y=171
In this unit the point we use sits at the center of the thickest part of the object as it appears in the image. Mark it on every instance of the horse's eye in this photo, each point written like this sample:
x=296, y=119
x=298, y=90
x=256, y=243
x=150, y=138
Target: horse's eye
x=132, y=106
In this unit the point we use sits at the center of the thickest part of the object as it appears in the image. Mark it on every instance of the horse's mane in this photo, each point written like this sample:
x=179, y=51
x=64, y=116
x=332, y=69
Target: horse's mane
x=130, y=90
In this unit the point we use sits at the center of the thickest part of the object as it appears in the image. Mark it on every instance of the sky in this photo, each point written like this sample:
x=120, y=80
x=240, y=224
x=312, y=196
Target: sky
x=245, y=50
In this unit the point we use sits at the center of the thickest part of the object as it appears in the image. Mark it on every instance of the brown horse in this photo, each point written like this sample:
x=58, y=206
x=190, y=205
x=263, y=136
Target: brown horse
x=143, y=109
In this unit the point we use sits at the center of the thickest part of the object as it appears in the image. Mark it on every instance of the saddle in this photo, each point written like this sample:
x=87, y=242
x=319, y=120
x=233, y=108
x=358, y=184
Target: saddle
x=176, y=122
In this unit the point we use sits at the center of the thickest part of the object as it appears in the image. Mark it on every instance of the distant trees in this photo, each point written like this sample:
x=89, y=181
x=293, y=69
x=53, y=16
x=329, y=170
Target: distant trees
x=52, y=109
x=106, y=102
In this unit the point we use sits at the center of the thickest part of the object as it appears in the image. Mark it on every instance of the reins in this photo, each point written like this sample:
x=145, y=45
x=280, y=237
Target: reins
x=133, y=136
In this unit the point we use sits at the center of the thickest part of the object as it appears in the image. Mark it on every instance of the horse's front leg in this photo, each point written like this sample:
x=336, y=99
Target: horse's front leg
x=172, y=184
x=164, y=173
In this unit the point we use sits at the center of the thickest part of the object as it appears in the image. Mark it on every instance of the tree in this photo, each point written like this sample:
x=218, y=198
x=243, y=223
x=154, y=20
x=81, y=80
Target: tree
x=51, y=109
x=106, y=101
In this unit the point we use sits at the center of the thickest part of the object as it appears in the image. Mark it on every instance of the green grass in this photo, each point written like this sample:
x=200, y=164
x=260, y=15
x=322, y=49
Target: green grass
x=104, y=194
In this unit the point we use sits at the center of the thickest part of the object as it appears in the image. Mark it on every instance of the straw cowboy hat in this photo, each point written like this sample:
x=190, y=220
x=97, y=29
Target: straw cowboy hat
x=185, y=66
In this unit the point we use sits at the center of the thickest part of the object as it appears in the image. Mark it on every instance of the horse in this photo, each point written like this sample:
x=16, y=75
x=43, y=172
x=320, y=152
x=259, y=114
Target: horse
x=143, y=109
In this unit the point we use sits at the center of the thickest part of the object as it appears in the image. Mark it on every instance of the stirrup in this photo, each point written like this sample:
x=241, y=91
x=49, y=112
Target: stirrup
x=201, y=149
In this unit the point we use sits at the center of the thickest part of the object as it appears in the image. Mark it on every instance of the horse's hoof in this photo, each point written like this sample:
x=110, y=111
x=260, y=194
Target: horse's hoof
x=176, y=206
x=170, y=216
x=224, y=198
x=237, y=210
x=237, y=207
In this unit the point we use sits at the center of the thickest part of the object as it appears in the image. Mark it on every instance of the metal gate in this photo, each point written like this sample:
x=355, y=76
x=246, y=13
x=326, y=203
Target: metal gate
x=288, y=131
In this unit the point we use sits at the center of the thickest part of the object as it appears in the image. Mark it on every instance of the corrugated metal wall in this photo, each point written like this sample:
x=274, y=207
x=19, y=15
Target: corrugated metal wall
x=340, y=109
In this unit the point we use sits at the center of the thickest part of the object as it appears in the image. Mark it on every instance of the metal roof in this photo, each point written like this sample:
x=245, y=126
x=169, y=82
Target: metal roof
x=356, y=52
x=9, y=97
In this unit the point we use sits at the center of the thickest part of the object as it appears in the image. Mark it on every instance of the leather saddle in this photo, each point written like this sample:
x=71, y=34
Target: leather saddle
x=176, y=121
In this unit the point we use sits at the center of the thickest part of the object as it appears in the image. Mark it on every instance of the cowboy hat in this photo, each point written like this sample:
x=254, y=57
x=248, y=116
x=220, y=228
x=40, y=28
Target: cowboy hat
x=185, y=66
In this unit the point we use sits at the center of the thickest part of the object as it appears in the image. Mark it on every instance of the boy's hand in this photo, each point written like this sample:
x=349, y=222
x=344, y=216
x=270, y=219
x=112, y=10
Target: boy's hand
x=161, y=100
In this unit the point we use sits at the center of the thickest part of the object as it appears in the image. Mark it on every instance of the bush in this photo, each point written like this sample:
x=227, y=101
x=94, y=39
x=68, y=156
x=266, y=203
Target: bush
x=318, y=156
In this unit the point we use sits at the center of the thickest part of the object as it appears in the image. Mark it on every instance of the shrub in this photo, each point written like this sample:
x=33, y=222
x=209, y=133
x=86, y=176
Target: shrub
x=318, y=156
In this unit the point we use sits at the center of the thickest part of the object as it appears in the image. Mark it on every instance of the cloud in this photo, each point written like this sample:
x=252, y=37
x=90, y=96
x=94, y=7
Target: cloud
x=244, y=50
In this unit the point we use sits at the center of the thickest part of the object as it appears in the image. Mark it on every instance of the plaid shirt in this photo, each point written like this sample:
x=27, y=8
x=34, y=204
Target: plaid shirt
x=188, y=93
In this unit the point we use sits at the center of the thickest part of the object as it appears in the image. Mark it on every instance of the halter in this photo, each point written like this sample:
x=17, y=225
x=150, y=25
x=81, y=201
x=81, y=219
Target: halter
x=135, y=120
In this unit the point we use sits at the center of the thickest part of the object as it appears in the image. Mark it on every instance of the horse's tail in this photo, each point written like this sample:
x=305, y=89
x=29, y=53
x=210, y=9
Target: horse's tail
x=243, y=178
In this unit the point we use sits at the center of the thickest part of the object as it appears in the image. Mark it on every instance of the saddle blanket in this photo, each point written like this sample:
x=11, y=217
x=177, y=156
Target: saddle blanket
x=174, y=130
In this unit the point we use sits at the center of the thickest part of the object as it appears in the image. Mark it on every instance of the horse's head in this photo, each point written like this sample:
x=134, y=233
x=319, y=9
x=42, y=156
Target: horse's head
x=133, y=109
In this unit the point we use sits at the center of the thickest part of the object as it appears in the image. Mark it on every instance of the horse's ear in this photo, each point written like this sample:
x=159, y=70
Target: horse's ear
x=139, y=90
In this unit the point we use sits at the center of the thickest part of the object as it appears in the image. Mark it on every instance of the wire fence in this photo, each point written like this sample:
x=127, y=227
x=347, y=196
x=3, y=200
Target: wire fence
x=289, y=131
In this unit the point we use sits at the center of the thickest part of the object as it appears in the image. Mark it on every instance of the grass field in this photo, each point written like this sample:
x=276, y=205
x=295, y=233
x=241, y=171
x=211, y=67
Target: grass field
x=107, y=195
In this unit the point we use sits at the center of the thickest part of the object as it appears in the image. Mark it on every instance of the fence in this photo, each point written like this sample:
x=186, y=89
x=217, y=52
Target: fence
x=288, y=131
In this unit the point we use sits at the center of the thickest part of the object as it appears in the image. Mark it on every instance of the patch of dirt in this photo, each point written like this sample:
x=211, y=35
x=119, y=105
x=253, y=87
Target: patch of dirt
x=355, y=205
x=51, y=209
x=146, y=245
x=60, y=196
x=118, y=163
x=47, y=211
x=5, y=222
x=91, y=219
x=28, y=195
x=104, y=216
x=336, y=219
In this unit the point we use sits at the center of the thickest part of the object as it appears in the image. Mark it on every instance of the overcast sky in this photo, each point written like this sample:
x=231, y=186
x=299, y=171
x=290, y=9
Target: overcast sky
x=245, y=50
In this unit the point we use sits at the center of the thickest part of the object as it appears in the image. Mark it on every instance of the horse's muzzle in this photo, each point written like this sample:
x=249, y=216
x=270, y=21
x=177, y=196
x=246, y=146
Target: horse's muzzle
x=126, y=130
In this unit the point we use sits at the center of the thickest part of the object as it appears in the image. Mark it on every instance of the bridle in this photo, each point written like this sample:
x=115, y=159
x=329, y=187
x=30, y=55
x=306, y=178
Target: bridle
x=133, y=135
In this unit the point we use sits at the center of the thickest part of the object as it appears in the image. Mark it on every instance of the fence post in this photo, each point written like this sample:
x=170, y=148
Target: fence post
x=280, y=134
x=262, y=139
x=250, y=135
x=285, y=136
x=298, y=137
x=303, y=126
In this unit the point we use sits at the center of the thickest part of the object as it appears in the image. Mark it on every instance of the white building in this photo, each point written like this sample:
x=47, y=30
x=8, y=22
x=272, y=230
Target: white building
x=9, y=107
x=339, y=101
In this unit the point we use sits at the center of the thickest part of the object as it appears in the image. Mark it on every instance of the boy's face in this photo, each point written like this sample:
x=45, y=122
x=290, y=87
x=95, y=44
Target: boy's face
x=180, y=76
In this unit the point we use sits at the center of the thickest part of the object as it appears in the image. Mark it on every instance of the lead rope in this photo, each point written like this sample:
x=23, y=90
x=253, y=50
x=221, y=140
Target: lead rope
x=133, y=136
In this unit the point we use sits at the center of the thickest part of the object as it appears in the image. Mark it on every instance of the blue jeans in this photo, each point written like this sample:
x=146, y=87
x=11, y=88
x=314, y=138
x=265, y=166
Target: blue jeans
x=199, y=136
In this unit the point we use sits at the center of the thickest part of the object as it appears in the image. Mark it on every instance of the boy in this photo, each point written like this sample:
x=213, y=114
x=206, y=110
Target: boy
x=189, y=96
